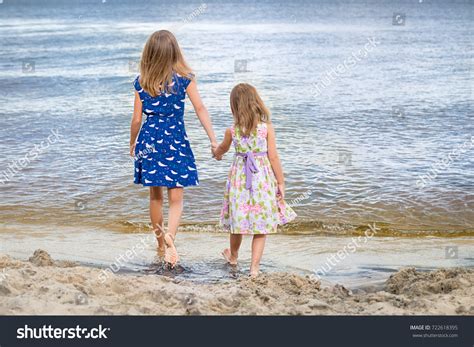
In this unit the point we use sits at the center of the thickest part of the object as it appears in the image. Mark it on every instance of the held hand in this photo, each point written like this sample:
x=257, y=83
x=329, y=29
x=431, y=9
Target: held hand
x=214, y=146
x=132, y=149
x=281, y=191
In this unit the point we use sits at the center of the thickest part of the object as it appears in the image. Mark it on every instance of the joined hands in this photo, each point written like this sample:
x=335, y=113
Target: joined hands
x=214, y=147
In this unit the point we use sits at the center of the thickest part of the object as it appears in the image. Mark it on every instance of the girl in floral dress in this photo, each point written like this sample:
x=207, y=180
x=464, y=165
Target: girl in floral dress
x=255, y=190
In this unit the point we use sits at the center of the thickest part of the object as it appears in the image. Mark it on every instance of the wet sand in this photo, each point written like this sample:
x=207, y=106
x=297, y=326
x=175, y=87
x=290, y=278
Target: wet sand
x=43, y=286
x=371, y=264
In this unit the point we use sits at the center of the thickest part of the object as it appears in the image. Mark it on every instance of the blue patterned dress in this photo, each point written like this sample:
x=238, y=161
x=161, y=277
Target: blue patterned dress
x=163, y=156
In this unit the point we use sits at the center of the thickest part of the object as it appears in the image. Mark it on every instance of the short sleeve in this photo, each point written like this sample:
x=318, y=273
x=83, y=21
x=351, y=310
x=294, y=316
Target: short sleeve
x=186, y=80
x=137, y=85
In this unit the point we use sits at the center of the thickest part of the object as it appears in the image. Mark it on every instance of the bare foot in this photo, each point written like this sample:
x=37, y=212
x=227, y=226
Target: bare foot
x=254, y=271
x=171, y=254
x=161, y=252
x=226, y=253
x=161, y=244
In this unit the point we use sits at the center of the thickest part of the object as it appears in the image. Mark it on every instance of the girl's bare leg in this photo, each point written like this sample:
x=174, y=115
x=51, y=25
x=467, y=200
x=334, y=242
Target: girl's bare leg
x=258, y=244
x=156, y=216
x=232, y=254
x=175, y=199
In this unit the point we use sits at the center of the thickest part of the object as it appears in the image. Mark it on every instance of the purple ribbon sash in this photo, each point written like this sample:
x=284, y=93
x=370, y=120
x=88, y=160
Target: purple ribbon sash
x=250, y=166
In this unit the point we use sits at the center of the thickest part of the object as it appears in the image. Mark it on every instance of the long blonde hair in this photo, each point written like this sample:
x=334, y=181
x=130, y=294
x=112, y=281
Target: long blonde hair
x=161, y=57
x=247, y=108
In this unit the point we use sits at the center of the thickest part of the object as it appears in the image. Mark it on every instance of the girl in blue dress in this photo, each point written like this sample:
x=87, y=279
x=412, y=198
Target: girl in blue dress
x=163, y=155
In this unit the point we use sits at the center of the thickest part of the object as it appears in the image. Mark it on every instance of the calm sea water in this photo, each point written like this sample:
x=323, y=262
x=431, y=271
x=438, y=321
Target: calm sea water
x=352, y=152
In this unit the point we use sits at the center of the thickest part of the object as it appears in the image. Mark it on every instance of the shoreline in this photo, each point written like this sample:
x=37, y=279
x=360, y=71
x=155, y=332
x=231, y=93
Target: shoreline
x=43, y=286
x=299, y=227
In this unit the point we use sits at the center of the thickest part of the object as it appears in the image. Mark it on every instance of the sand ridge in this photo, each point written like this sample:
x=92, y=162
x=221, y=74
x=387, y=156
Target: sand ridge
x=43, y=286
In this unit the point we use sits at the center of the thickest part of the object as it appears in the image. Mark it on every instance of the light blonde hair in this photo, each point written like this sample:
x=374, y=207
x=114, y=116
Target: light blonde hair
x=247, y=108
x=161, y=57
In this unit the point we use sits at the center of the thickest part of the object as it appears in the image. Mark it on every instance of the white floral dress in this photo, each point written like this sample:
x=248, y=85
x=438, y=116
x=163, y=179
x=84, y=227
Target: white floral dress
x=250, y=198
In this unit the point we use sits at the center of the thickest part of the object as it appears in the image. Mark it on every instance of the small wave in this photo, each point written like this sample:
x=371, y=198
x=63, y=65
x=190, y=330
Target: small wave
x=314, y=227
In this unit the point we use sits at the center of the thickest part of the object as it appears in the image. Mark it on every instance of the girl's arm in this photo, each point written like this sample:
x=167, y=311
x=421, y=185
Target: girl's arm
x=275, y=160
x=223, y=148
x=201, y=112
x=136, y=123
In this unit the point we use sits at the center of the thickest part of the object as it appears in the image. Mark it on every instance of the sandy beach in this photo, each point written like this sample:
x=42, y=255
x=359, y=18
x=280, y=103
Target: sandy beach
x=43, y=286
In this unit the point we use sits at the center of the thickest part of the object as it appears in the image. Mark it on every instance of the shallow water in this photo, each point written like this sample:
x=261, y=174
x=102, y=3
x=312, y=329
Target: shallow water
x=369, y=265
x=351, y=155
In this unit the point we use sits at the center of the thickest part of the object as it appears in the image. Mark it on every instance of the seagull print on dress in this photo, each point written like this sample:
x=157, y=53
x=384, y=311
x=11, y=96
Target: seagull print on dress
x=169, y=160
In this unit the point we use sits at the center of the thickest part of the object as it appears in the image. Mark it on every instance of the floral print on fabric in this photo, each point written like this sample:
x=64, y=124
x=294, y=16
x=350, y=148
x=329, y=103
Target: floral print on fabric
x=256, y=210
